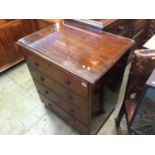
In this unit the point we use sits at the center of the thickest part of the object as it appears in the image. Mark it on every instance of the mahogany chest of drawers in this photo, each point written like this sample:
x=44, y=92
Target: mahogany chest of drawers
x=68, y=66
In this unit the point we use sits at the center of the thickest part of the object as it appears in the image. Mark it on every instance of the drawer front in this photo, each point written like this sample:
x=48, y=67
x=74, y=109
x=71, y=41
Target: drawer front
x=138, y=24
x=59, y=89
x=76, y=110
x=119, y=27
x=140, y=38
x=64, y=115
x=54, y=72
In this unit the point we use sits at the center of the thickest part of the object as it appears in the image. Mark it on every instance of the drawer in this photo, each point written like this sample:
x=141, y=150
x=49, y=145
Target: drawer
x=56, y=73
x=76, y=110
x=139, y=38
x=138, y=24
x=119, y=27
x=71, y=97
x=64, y=115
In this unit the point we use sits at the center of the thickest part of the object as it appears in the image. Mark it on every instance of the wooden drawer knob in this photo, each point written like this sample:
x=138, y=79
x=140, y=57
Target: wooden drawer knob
x=72, y=111
x=67, y=81
x=42, y=79
x=36, y=64
x=122, y=27
x=50, y=105
x=46, y=91
x=74, y=120
x=70, y=97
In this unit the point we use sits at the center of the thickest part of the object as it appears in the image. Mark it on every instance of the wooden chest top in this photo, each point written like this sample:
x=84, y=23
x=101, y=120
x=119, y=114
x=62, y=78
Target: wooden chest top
x=86, y=54
x=98, y=24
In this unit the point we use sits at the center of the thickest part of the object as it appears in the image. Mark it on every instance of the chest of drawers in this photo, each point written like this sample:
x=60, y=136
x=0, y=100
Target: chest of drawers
x=68, y=66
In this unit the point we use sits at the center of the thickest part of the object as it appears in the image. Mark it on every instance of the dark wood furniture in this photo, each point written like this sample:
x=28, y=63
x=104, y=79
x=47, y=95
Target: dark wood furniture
x=69, y=67
x=143, y=119
x=98, y=25
x=142, y=66
x=10, y=31
x=95, y=81
x=43, y=23
x=136, y=29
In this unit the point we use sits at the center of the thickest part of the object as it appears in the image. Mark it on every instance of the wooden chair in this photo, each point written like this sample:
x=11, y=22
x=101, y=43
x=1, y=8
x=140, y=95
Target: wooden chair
x=143, y=63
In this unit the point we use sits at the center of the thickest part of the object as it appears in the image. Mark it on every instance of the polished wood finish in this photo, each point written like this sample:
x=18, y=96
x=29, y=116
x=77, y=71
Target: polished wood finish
x=10, y=32
x=56, y=73
x=72, y=64
x=79, y=111
x=71, y=120
x=69, y=80
x=88, y=23
x=4, y=21
x=137, y=29
x=57, y=86
x=69, y=76
x=65, y=49
x=120, y=27
x=49, y=87
x=40, y=24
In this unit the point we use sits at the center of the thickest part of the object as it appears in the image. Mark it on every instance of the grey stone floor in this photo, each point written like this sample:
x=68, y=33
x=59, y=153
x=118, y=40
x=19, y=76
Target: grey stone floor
x=21, y=111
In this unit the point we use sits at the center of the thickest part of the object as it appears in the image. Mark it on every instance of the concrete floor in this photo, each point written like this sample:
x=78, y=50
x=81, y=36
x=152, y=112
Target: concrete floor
x=21, y=111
